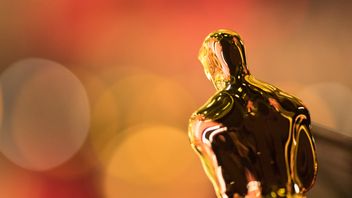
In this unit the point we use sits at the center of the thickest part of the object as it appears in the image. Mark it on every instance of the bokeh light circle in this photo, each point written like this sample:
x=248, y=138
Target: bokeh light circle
x=45, y=114
x=134, y=97
x=148, y=152
x=154, y=156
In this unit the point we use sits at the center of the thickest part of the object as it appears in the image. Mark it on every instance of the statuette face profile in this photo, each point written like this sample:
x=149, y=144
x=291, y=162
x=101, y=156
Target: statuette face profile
x=253, y=139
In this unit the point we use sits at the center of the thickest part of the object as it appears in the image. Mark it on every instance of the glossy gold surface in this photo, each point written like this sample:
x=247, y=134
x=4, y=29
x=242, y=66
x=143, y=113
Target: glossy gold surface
x=253, y=139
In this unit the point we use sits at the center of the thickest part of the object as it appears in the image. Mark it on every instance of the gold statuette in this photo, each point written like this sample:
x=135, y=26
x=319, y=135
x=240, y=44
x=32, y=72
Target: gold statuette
x=253, y=139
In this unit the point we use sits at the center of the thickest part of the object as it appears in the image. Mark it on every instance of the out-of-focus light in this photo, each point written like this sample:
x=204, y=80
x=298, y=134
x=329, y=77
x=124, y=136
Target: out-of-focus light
x=105, y=124
x=153, y=98
x=46, y=114
x=155, y=161
x=330, y=105
x=151, y=155
x=133, y=98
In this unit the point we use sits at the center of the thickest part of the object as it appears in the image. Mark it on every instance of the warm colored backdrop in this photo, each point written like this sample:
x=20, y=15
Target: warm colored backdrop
x=96, y=94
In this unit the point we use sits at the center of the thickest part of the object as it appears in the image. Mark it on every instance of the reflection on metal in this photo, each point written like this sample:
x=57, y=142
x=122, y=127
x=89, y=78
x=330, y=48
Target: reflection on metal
x=253, y=139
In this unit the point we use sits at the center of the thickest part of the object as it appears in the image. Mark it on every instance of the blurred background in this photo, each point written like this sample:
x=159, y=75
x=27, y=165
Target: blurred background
x=96, y=94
